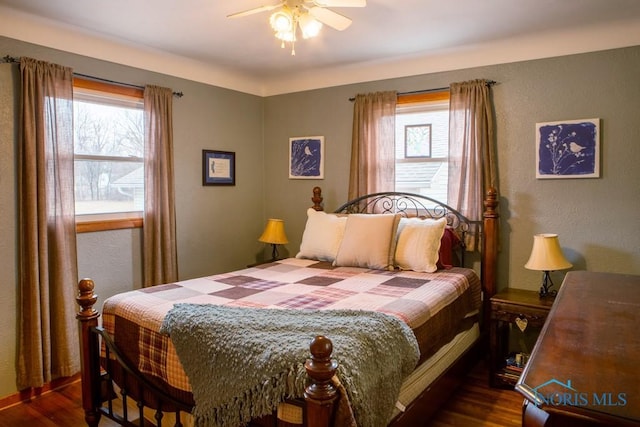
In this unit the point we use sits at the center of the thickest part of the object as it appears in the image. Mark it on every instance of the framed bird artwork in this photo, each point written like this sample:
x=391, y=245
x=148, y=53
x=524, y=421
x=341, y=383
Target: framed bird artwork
x=306, y=157
x=568, y=149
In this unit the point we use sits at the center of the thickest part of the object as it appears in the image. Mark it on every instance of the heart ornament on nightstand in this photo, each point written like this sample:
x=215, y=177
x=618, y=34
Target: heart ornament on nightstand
x=522, y=323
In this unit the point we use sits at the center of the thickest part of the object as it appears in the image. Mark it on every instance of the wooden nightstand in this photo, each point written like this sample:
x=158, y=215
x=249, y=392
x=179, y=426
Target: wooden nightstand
x=516, y=314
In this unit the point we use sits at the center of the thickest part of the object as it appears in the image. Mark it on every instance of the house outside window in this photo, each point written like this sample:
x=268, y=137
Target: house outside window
x=422, y=145
x=109, y=149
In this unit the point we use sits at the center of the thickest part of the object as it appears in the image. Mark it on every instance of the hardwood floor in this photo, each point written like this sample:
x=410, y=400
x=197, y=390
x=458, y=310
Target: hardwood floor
x=477, y=404
x=474, y=404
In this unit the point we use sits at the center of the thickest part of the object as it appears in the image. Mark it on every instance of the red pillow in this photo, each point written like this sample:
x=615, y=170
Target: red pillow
x=448, y=244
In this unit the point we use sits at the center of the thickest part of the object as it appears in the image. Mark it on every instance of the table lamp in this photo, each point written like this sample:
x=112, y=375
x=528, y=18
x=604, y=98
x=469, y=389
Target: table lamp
x=546, y=255
x=274, y=234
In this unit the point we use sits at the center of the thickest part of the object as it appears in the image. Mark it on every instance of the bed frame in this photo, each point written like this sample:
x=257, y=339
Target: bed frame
x=100, y=390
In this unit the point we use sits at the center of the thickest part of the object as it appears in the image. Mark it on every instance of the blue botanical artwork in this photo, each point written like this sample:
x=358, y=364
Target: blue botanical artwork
x=306, y=157
x=568, y=149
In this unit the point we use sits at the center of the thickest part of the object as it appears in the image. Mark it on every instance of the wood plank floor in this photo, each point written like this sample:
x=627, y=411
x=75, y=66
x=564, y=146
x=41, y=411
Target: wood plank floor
x=474, y=404
x=477, y=404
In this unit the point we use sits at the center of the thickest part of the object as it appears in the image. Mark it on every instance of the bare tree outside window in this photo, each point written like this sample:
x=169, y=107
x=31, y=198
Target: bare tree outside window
x=417, y=140
x=109, y=146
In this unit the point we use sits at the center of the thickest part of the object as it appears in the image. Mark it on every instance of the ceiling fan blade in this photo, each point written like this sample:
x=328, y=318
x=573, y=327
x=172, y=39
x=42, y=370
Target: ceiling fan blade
x=254, y=10
x=340, y=3
x=330, y=18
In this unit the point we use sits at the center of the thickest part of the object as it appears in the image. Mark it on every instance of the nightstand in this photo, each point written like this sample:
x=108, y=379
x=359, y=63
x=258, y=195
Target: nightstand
x=516, y=318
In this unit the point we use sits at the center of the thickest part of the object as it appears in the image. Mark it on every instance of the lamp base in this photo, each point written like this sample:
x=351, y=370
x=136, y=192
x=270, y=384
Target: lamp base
x=546, y=285
x=274, y=252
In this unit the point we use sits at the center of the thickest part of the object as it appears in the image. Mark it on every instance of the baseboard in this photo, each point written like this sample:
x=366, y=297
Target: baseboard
x=32, y=393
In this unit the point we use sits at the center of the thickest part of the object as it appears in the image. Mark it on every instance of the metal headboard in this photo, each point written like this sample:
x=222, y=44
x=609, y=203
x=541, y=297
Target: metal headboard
x=411, y=205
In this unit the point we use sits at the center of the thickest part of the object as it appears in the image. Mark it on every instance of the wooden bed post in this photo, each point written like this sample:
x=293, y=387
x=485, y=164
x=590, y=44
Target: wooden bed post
x=89, y=351
x=489, y=270
x=320, y=395
x=317, y=199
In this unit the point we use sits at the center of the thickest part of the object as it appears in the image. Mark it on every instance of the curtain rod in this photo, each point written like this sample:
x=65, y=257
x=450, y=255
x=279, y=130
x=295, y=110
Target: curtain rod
x=438, y=89
x=12, y=60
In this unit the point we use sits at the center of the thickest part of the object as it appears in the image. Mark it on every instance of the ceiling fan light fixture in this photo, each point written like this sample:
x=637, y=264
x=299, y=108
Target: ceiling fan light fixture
x=307, y=15
x=309, y=26
x=282, y=21
x=286, y=36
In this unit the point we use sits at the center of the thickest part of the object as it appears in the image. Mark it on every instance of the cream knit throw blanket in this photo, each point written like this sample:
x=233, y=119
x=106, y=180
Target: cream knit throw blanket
x=241, y=362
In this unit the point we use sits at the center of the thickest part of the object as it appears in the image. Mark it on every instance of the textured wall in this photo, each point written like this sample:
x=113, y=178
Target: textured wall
x=8, y=207
x=217, y=227
x=598, y=220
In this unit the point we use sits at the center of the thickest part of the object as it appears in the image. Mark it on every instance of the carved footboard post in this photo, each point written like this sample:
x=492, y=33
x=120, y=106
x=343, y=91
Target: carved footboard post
x=89, y=351
x=490, y=249
x=320, y=394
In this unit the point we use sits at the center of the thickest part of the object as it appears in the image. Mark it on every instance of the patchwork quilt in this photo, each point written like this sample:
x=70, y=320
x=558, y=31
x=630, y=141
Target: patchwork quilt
x=435, y=306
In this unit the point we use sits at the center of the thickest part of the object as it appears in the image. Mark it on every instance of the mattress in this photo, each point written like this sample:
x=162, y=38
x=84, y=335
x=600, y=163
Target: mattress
x=427, y=372
x=437, y=306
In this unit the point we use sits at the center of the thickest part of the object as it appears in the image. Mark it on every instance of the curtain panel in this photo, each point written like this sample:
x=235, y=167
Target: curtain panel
x=373, y=144
x=47, y=329
x=160, y=259
x=472, y=154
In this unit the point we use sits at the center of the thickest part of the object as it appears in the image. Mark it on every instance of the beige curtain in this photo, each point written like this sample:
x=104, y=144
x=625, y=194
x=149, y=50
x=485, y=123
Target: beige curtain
x=47, y=330
x=472, y=158
x=373, y=144
x=160, y=260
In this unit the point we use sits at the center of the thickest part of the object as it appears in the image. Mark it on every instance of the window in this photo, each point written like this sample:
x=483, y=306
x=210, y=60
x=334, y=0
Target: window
x=422, y=144
x=417, y=141
x=108, y=160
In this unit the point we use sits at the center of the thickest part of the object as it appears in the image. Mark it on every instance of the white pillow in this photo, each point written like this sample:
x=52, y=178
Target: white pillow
x=322, y=235
x=418, y=244
x=369, y=241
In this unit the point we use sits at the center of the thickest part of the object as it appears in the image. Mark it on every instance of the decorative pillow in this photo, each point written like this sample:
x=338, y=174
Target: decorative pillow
x=419, y=244
x=449, y=242
x=369, y=241
x=322, y=236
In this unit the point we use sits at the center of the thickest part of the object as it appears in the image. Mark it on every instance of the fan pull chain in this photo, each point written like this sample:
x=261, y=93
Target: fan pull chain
x=294, y=28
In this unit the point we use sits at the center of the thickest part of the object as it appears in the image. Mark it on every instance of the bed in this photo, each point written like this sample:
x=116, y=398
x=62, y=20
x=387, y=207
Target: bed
x=395, y=261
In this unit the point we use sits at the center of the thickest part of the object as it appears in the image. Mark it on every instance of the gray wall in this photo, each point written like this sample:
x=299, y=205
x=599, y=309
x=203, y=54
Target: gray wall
x=8, y=256
x=597, y=219
x=217, y=227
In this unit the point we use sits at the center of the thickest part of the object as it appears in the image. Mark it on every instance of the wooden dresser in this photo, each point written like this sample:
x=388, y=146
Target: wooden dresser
x=585, y=367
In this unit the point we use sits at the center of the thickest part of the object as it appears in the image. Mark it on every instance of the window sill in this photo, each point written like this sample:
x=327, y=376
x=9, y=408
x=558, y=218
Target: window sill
x=88, y=226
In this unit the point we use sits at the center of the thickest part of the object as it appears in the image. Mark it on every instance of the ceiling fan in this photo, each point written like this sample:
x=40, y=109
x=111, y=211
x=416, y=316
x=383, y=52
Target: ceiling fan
x=308, y=15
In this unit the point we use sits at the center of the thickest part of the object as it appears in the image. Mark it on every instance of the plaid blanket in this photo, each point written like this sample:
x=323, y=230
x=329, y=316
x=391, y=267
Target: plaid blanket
x=433, y=305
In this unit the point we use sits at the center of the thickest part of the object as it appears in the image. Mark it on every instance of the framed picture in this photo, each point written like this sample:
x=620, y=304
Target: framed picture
x=568, y=149
x=218, y=167
x=306, y=157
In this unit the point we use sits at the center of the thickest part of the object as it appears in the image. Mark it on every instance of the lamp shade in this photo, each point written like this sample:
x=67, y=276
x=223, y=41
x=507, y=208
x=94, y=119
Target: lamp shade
x=546, y=254
x=274, y=232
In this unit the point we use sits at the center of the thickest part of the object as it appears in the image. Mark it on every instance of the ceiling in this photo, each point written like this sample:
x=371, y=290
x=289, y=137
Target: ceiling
x=194, y=39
